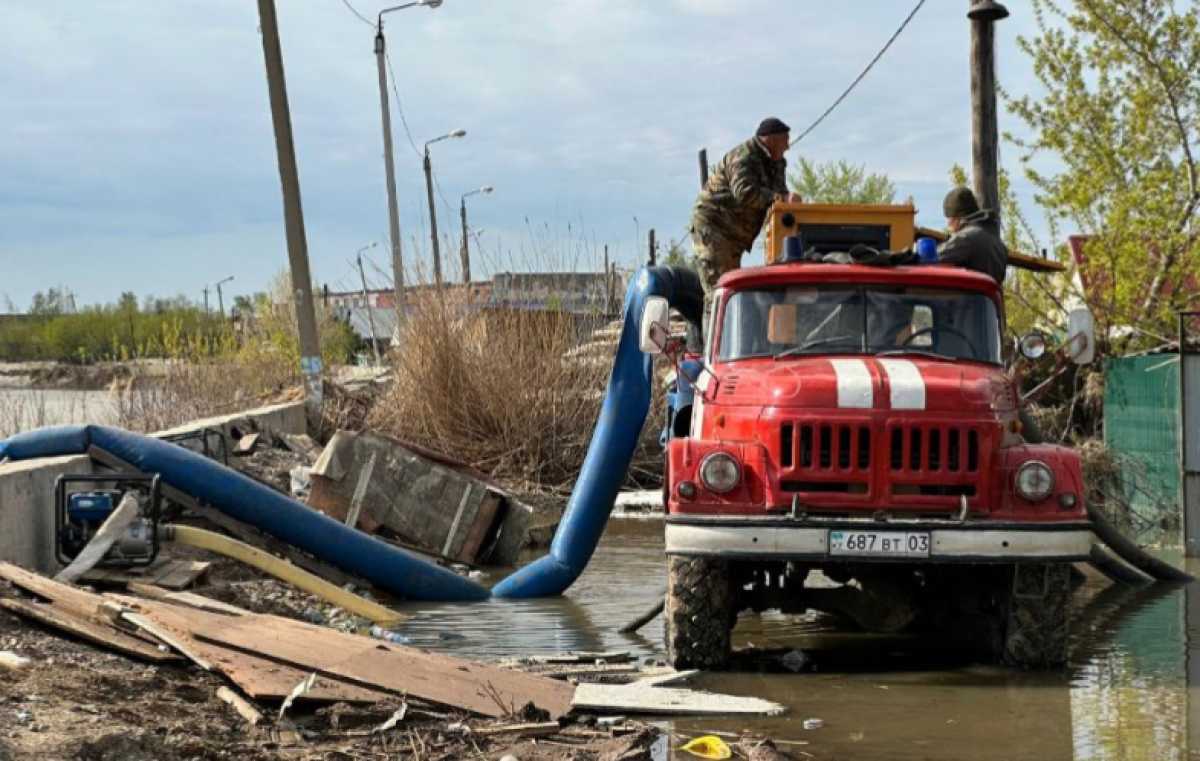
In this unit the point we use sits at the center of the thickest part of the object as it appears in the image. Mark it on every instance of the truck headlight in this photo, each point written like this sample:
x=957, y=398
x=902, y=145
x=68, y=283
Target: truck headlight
x=1035, y=481
x=720, y=472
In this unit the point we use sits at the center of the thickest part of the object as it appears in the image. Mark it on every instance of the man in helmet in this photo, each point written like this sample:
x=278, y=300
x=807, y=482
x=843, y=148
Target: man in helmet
x=975, y=243
x=732, y=207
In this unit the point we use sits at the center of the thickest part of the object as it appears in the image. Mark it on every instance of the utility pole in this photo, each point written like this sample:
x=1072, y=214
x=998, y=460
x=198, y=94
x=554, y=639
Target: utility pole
x=463, y=253
x=289, y=179
x=220, y=297
x=433, y=233
x=206, y=301
x=607, y=284
x=370, y=311
x=983, y=15
x=390, y=169
x=703, y=167
x=653, y=248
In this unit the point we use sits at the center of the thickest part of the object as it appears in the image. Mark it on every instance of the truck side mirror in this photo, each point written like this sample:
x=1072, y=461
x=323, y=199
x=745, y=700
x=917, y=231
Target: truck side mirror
x=655, y=327
x=1081, y=332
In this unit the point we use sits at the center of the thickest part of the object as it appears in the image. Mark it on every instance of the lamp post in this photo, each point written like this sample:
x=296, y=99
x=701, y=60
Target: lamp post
x=367, y=300
x=437, y=253
x=389, y=164
x=220, y=298
x=463, y=252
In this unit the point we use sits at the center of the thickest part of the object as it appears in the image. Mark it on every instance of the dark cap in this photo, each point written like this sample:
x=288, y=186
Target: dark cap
x=960, y=202
x=772, y=126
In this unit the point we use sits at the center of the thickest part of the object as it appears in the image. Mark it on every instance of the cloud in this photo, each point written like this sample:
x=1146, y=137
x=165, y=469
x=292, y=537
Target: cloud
x=146, y=136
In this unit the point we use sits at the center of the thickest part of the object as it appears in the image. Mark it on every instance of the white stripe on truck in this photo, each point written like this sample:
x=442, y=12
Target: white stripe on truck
x=908, y=387
x=855, y=389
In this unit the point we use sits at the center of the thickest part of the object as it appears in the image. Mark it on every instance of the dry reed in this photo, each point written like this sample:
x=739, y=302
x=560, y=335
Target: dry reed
x=498, y=389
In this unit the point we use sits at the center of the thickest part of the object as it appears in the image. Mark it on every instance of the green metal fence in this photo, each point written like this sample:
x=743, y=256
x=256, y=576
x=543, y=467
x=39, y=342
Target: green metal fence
x=1141, y=422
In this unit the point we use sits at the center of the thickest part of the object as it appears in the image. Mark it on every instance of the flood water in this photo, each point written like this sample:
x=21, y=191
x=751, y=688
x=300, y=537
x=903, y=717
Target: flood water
x=1126, y=695
x=23, y=409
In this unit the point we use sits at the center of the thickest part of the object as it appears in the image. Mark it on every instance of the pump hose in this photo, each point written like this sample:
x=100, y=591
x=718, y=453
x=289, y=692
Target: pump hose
x=279, y=568
x=1131, y=553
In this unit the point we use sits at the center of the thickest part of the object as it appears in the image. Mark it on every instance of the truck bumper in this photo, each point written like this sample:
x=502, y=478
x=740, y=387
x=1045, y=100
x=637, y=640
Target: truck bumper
x=949, y=541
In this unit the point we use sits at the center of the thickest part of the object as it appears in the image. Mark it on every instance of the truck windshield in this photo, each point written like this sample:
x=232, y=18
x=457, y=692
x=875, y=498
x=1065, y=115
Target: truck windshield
x=796, y=321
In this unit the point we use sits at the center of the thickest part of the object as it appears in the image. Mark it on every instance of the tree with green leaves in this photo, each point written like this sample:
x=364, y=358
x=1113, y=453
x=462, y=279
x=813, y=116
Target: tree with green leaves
x=840, y=182
x=1119, y=119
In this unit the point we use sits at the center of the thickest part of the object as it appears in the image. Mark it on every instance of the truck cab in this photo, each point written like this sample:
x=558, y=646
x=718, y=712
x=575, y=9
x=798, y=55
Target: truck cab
x=859, y=421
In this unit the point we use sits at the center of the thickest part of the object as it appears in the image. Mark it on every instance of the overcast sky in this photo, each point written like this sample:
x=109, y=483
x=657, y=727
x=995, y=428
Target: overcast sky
x=136, y=149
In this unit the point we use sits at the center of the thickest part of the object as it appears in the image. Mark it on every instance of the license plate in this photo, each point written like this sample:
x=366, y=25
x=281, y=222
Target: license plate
x=888, y=544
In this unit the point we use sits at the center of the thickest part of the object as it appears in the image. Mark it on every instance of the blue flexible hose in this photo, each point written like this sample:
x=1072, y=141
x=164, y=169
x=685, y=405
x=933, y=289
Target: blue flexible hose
x=626, y=404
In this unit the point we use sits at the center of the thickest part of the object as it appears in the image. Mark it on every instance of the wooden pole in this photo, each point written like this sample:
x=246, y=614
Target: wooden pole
x=433, y=233
x=653, y=248
x=984, y=129
x=703, y=167
x=608, y=285
x=464, y=252
x=293, y=214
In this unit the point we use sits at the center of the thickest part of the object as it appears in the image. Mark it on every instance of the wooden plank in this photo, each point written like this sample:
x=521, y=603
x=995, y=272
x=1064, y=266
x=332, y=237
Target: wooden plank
x=540, y=729
x=12, y=661
x=188, y=599
x=165, y=572
x=181, y=574
x=248, y=712
x=440, y=679
x=480, y=530
x=639, y=698
x=1015, y=258
x=71, y=600
x=243, y=531
x=175, y=643
x=260, y=678
x=98, y=634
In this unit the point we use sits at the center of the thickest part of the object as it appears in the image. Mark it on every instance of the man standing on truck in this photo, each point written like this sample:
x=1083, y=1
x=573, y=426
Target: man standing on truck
x=975, y=243
x=733, y=205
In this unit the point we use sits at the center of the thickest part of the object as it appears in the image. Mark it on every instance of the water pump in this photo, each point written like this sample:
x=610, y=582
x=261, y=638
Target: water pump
x=83, y=502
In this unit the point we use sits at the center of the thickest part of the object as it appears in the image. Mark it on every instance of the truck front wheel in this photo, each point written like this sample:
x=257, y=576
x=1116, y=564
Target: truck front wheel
x=1035, y=634
x=700, y=612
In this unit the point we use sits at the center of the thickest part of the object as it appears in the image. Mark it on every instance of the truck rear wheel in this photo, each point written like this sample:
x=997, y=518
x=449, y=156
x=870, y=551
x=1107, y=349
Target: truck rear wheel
x=1036, y=632
x=700, y=612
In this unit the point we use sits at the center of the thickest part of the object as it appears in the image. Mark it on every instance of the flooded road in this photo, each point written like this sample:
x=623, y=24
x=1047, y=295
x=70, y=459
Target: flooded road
x=1131, y=691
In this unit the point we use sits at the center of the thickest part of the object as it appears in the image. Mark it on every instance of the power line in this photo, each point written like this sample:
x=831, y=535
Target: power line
x=361, y=17
x=864, y=73
x=399, y=106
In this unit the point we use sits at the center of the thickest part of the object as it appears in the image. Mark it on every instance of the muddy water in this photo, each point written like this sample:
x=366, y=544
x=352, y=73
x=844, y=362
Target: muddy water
x=1131, y=691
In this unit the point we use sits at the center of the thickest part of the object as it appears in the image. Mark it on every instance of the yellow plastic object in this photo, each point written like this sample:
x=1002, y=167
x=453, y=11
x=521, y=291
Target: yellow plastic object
x=280, y=569
x=708, y=746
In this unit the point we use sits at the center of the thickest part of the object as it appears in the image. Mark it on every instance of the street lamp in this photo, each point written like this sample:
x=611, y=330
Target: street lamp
x=220, y=298
x=437, y=253
x=463, y=252
x=389, y=164
x=367, y=299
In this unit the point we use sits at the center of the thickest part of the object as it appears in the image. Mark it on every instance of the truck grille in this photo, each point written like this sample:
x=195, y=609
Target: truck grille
x=948, y=449
x=913, y=466
x=825, y=446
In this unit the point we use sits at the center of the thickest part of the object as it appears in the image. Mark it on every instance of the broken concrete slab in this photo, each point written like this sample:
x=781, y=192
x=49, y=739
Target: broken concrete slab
x=383, y=484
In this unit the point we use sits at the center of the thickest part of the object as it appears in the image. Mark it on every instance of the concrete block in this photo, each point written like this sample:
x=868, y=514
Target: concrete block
x=27, y=509
x=280, y=419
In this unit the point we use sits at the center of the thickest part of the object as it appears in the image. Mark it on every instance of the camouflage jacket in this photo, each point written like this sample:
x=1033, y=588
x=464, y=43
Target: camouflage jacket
x=733, y=204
